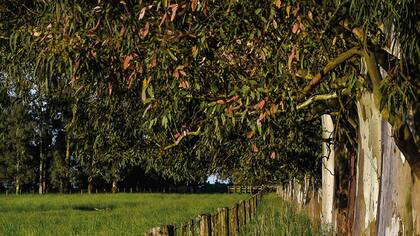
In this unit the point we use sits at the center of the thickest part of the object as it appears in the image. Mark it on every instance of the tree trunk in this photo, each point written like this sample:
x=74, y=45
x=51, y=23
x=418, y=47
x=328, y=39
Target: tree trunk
x=114, y=187
x=41, y=178
x=66, y=181
x=17, y=179
x=17, y=185
x=327, y=172
x=387, y=200
x=368, y=171
x=399, y=205
x=90, y=184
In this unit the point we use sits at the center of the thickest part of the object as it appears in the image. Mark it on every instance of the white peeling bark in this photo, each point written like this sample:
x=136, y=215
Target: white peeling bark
x=327, y=172
x=369, y=165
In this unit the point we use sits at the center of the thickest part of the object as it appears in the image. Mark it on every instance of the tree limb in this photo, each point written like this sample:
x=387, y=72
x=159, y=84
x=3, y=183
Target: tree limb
x=331, y=65
x=178, y=140
x=320, y=97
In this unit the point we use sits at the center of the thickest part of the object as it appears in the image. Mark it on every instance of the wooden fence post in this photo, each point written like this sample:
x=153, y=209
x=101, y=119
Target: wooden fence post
x=249, y=206
x=235, y=220
x=182, y=230
x=244, y=212
x=167, y=230
x=191, y=228
x=205, y=225
x=223, y=221
x=215, y=226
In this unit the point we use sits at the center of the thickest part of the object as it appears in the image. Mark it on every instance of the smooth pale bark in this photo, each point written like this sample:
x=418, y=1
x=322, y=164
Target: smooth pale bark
x=327, y=172
x=399, y=209
x=17, y=179
x=90, y=184
x=41, y=178
x=369, y=165
x=17, y=185
x=114, y=187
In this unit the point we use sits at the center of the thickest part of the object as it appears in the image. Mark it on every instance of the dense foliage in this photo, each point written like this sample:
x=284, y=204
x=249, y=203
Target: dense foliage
x=189, y=88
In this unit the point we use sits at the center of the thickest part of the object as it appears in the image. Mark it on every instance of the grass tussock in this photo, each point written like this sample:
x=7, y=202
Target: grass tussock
x=277, y=217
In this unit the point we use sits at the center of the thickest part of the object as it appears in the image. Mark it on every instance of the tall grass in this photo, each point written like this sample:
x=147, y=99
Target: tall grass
x=277, y=217
x=103, y=214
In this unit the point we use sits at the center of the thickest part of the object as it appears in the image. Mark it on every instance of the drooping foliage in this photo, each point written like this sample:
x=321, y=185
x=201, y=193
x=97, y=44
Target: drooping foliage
x=192, y=87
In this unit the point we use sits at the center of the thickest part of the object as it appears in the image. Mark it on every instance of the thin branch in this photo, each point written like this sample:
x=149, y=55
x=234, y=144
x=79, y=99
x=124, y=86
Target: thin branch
x=331, y=65
x=320, y=97
x=178, y=140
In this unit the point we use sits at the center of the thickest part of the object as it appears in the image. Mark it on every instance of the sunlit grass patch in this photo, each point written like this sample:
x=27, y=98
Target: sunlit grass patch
x=277, y=217
x=103, y=214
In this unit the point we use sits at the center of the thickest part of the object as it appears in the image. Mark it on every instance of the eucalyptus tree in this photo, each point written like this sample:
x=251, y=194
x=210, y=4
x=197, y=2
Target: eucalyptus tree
x=231, y=63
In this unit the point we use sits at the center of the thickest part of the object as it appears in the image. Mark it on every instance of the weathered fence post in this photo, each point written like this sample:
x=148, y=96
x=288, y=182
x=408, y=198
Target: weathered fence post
x=167, y=230
x=182, y=230
x=191, y=228
x=214, y=223
x=235, y=219
x=205, y=225
x=249, y=206
x=244, y=212
x=223, y=221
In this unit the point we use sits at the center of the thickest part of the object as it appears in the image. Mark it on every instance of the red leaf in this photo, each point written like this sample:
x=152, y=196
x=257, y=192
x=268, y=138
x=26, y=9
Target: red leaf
x=250, y=134
x=127, y=60
x=229, y=111
x=174, y=8
x=261, y=105
x=193, y=5
x=220, y=102
x=144, y=31
x=184, y=84
x=254, y=148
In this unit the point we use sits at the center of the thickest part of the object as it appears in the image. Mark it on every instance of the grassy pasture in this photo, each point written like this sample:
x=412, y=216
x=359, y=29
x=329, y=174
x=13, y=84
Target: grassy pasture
x=103, y=214
x=278, y=218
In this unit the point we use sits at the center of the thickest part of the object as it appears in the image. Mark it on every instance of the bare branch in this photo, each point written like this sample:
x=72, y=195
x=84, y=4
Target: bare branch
x=331, y=65
x=320, y=97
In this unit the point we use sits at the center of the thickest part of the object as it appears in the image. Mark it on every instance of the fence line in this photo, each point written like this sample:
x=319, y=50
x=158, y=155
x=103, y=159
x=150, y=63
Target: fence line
x=250, y=189
x=225, y=222
x=173, y=189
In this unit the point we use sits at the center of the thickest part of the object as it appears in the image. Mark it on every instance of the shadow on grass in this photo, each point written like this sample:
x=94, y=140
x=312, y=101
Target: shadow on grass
x=92, y=208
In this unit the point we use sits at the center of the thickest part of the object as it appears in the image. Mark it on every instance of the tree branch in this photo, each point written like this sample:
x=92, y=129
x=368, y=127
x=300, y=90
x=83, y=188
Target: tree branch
x=331, y=65
x=178, y=140
x=320, y=97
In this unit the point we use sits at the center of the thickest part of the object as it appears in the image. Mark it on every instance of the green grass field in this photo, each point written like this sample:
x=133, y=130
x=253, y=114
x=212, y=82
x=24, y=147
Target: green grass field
x=275, y=217
x=115, y=214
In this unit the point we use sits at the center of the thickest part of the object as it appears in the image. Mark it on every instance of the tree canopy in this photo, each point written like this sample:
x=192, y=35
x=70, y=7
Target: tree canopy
x=182, y=85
